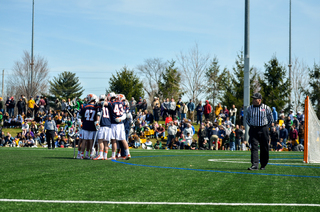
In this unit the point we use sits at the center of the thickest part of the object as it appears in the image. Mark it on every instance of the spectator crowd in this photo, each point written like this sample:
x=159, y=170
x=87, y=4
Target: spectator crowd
x=171, y=124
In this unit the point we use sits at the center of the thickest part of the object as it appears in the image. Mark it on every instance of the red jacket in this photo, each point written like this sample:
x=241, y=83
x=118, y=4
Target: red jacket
x=293, y=135
x=207, y=109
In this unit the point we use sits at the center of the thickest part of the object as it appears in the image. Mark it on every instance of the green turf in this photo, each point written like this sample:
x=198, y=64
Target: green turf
x=29, y=173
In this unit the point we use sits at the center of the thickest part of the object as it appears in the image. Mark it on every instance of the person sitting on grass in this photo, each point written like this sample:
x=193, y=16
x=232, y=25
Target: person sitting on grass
x=182, y=141
x=160, y=132
x=244, y=146
x=188, y=141
x=33, y=127
x=22, y=141
x=58, y=141
x=139, y=130
x=37, y=139
x=19, y=121
x=6, y=123
x=37, y=117
x=147, y=145
x=131, y=141
x=176, y=143
x=29, y=114
x=9, y=140
x=42, y=138
x=205, y=145
x=137, y=142
x=29, y=141
x=193, y=145
x=280, y=145
x=24, y=128
x=61, y=132
x=158, y=145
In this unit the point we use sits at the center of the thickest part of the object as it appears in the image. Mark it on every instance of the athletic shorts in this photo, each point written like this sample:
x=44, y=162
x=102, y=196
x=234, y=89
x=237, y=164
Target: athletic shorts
x=117, y=132
x=88, y=135
x=81, y=134
x=104, y=133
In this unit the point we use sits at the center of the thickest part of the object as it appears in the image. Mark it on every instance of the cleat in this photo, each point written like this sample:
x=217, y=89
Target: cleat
x=87, y=157
x=112, y=158
x=105, y=158
x=127, y=157
x=79, y=157
x=253, y=168
x=98, y=158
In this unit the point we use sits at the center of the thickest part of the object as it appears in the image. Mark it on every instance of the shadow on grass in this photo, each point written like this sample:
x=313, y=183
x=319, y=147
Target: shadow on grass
x=227, y=169
x=60, y=158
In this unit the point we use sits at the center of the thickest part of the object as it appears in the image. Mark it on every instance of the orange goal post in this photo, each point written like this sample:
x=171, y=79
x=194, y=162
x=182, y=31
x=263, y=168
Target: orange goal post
x=311, y=134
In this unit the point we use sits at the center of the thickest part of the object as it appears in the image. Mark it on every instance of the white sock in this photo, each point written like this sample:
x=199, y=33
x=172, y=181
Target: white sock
x=127, y=152
x=79, y=152
x=113, y=154
x=105, y=154
x=101, y=153
x=87, y=153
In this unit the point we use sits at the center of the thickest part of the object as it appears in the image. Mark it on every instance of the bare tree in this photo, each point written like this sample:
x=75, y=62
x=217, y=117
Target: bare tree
x=300, y=79
x=20, y=81
x=152, y=69
x=193, y=66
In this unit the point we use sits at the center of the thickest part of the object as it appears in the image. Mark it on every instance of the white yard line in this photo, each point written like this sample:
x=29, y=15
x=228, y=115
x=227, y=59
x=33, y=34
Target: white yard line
x=158, y=203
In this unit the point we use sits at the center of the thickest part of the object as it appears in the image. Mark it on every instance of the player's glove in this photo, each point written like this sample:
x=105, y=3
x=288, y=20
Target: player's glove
x=97, y=125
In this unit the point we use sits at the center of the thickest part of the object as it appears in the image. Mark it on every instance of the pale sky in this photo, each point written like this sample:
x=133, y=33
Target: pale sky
x=94, y=38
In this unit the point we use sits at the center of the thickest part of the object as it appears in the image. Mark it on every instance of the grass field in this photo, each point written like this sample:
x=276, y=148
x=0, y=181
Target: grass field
x=156, y=176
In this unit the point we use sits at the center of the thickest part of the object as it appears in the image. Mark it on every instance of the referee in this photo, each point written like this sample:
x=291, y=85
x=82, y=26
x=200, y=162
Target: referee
x=259, y=117
x=51, y=129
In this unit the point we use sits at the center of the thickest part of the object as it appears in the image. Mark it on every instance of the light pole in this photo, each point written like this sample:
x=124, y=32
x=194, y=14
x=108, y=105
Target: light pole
x=290, y=65
x=32, y=61
x=246, y=89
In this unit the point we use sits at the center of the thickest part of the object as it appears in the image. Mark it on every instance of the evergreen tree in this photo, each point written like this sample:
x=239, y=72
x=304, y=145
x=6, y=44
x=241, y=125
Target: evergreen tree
x=127, y=83
x=275, y=85
x=234, y=84
x=314, y=94
x=215, y=81
x=169, y=84
x=66, y=85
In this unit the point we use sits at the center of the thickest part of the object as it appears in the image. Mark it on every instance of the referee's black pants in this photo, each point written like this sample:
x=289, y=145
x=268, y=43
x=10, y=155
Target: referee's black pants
x=259, y=135
x=50, y=138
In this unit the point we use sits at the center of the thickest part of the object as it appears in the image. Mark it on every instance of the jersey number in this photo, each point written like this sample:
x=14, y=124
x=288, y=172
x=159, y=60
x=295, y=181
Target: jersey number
x=105, y=112
x=90, y=115
x=118, y=109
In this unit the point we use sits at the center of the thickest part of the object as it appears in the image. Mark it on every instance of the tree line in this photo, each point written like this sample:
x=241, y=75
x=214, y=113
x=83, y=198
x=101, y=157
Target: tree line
x=192, y=75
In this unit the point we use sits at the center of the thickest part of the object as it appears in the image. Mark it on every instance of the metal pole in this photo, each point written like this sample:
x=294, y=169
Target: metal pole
x=290, y=65
x=32, y=39
x=2, y=82
x=246, y=90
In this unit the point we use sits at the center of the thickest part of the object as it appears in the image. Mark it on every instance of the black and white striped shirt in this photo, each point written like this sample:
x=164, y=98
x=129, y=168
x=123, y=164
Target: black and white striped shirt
x=258, y=116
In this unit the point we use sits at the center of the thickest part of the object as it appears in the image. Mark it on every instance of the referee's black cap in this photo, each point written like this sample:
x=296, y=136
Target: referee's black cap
x=256, y=96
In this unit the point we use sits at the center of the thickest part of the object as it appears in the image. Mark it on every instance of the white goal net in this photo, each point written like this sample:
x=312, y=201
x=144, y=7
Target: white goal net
x=312, y=134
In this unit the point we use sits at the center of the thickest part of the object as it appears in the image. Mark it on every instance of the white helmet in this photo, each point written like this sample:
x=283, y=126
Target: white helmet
x=110, y=95
x=91, y=97
x=121, y=97
x=102, y=97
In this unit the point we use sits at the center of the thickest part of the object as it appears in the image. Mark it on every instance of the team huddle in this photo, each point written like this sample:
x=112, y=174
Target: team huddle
x=102, y=119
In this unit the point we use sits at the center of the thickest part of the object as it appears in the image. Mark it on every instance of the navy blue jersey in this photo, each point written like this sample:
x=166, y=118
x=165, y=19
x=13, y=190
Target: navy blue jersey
x=88, y=113
x=105, y=117
x=116, y=110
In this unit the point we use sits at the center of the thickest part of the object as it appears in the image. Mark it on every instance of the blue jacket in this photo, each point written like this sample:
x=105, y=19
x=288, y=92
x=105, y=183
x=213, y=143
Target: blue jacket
x=199, y=110
x=190, y=106
x=275, y=114
x=284, y=133
x=221, y=132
